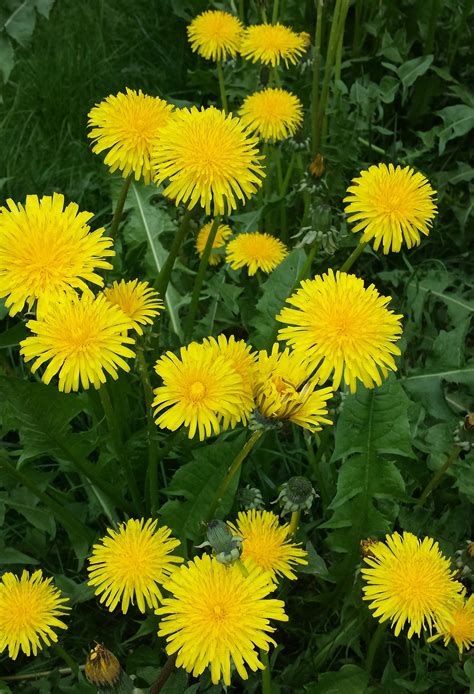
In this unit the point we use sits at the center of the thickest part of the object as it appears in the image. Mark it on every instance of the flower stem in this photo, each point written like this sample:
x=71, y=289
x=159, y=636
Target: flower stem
x=119, y=207
x=353, y=257
x=189, y=324
x=152, y=469
x=220, y=76
x=165, y=274
x=266, y=673
x=295, y=518
x=241, y=11
x=316, y=68
x=276, y=7
x=166, y=671
x=237, y=462
x=118, y=446
x=438, y=476
x=70, y=662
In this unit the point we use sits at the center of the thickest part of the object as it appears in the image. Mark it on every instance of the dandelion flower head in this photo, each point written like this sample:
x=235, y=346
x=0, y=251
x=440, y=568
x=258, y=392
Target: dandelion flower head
x=31, y=608
x=129, y=565
x=409, y=581
x=391, y=205
x=272, y=43
x=222, y=234
x=344, y=328
x=217, y=616
x=268, y=544
x=47, y=250
x=201, y=391
x=215, y=35
x=140, y=303
x=82, y=339
x=208, y=158
x=284, y=390
x=128, y=126
x=461, y=627
x=274, y=114
x=255, y=251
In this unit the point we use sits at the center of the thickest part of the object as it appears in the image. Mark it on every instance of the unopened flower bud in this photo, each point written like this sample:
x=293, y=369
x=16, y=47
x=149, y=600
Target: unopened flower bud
x=226, y=547
x=316, y=168
x=250, y=497
x=296, y=495
x=102, y=668
x=260, y=423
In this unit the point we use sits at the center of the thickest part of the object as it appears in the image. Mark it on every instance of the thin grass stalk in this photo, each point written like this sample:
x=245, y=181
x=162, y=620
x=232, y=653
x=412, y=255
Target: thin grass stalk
x=374, y=646
x=338, y=47
x=164, y=277
x=220, y=77
x=438, y=476
x=198, y=282
x=116, y=219
x=316, y=69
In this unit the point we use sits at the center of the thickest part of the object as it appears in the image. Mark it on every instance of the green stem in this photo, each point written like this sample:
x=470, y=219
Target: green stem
x=70, y=662
x=165, y=274
x=289, y=171
x=316, y=68
x=242, y=11
x=119, y=207
x=152, y=469
x=314, y=461
x=118, y=446
x=295, y=519
x=276, y=7
x=237, y=462
x=438, y=476
x=166, y=671
x=374, y=646
x=220, y=76
x=349, y=262
x=198, y=282
x=266, y=673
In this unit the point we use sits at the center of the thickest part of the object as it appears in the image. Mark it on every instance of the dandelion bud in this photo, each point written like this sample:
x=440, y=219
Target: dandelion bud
x=226, y=547
x=102, y=668
x=296, y=495
x=367, y=545
x=250, y=497
x=316, y=168
x=258, y=422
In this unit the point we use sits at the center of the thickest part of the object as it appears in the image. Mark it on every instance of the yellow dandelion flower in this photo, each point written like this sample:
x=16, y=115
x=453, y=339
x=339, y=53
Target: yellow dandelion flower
x=208, y=159
x=272, y=43
x=391, y=206
x=273, y=114
x=81, y=338
x=256, y=251
x=200, y=391
x=132, y=563
x=31, y=608
x=215, y=35
x=223, y=233
x=47, y=250
x=128, y=126
x=268, y=544
x=461, y=627
x=284, y=390
x=137, y=300
x=410, y=582
x=217, y=616
x=343, y=327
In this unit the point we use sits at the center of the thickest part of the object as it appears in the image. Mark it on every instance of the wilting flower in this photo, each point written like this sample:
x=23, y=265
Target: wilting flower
x=47, y=250
x=270, y=43
x=256, y=251
x=137, y=300
x=273, y=114
x=217, y=616
x=344, y=328
x=215, y=35
x=132, y=563
x=410, y=582
x=102, y=667
x=391, y=205
x=208, y=158
x=31, y=607
x=223, y=233
x=128, y=126
x=81, y=338
x=201, y=390
x=461, y=626
x=284, y=390
x=268, y=544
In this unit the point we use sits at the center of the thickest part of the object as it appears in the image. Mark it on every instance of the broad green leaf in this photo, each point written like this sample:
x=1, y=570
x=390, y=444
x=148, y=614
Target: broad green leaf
x=9, y=555
x=44, y=7
x=25, y=503
x=21, y=23
x=349, y=678
x=412, y=69
x=458, y=121
x=6, y=57
x=12, y=336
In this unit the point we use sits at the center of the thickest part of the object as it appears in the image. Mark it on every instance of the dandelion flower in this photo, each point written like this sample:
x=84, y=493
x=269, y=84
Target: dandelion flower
x=461, y=627
x=268, y=544
x=81, y=338
x=128, y=126
x=215, y=35
x=344, y=328
x=208, y=158
x=201, y=391
x=273, y=114
x=391, y=206
x=137, y=300
x=272, y=43
x=256, y=251
x=284, y=390
x=47, y=250
x=410, y=582
x=223, y=233
x=217, y=616
x=132, y=563
x=31, y=608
